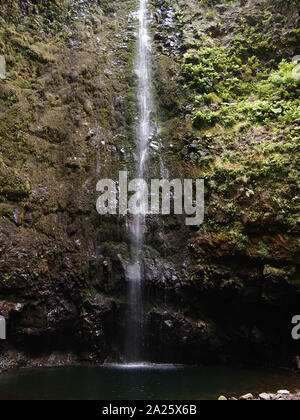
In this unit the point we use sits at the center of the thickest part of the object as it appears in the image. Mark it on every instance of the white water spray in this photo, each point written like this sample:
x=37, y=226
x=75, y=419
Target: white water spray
x=137, y=228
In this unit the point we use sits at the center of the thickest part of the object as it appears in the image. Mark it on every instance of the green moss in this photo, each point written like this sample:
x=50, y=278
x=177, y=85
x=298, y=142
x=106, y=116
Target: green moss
x=290, y=274
x=13, y=186
x=248, y=87
x=5, y=279
x=263, y=250
x=283, y=83
x=242, y=242
x=117, y=248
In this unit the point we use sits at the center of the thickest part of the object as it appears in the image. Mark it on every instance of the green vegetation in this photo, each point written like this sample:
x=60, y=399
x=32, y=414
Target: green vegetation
x=240, y=90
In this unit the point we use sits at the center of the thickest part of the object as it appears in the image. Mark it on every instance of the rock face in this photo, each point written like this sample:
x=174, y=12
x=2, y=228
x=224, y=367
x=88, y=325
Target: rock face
x=66, y=121
x=242, y=264
x=228, y=112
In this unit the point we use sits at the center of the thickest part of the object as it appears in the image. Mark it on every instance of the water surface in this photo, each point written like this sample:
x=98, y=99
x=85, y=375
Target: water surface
x=137, y=382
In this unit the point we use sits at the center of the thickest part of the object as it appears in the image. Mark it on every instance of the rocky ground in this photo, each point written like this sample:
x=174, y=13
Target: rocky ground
x=281, y=395
x=227, y=110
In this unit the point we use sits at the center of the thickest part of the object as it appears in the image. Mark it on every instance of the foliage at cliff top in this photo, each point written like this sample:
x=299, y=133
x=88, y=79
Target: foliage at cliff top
x=239, y=113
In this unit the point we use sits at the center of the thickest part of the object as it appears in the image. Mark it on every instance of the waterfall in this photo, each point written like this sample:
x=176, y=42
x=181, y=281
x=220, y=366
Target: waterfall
x=137, y=227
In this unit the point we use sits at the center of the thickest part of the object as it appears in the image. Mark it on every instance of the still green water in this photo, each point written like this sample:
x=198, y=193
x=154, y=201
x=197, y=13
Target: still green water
x=161, y=382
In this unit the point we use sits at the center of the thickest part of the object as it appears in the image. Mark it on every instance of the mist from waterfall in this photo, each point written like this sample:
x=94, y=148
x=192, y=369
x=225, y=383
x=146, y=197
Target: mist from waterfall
x=133, y=351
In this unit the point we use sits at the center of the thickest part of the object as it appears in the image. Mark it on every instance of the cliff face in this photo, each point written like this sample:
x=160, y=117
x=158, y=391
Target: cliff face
x=66, y=121
x=227, y=99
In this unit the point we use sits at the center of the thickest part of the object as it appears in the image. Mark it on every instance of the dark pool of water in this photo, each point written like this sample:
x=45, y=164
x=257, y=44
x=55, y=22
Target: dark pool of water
x=159, y=382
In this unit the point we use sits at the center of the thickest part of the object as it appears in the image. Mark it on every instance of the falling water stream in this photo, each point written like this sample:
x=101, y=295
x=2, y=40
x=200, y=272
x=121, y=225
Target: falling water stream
x=137, y=227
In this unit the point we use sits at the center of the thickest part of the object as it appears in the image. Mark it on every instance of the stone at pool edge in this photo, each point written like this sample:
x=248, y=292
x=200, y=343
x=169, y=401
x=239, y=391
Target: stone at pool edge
x=244, y=397
x=283, y=392
x=247, y=397
x=2, y=68
x=266, y=397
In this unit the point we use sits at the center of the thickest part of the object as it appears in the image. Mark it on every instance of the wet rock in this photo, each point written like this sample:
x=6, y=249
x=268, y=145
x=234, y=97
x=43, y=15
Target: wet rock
x=7, y=308
x=173, y=337
x=221, y=8
x=52, y=272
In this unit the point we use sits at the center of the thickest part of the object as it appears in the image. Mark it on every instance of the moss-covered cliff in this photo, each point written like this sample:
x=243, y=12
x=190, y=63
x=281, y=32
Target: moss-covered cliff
x=67, y=112
x=227, y=108
x=229, y=100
